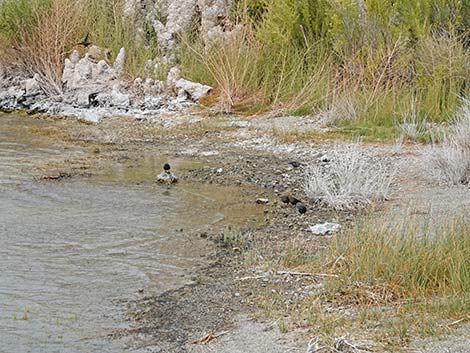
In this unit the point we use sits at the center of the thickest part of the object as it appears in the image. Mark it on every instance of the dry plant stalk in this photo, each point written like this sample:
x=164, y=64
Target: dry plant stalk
x=44, y=50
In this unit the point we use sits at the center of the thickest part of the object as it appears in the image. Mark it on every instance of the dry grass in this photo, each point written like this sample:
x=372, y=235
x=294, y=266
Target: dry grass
x=397, y=263
x=42, y=48
x=348, y=180
x=450, y=161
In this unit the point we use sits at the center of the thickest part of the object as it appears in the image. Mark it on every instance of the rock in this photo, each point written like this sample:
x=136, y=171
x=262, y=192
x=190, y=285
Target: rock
x=167, y=177
x=214, y=18
x=239, y=123
x=118, y=65
x=119, y=99
x=33, y=86
x=95, y=53
x=262, y=201
x=300, y=207
x=294, y=164
x=209, y=153
x=325, y=228
x=179, y=14
x=173, y=76
x=195, y=91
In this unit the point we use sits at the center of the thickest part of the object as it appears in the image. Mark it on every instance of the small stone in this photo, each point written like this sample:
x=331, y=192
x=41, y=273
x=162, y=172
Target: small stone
x=167, y=177
x=209, y=153
x=325, y=228
x=262, y=201
x=294, y=164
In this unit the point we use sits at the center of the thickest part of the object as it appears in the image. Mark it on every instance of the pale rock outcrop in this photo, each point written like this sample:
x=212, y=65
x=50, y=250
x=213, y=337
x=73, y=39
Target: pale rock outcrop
x=33, y=85
x=214, y=18
x=95, y=89
x=179, y=16
x=180, y=13
x=194, y=91
x=173, y=76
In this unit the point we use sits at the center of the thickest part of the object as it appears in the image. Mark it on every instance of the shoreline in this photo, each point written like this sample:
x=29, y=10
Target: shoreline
x=232, y=285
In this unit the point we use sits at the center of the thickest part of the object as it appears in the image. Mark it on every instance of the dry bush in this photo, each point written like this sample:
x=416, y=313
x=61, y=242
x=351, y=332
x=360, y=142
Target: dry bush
x=450, y=161
x=349, y=179
x=43, y=50
x=412, y=126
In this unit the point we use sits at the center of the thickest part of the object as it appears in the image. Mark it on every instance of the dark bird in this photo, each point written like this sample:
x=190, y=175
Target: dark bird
x=166, y=167
x=86, y=42
x=300, y=207
x=285, y=199
x=293, y=200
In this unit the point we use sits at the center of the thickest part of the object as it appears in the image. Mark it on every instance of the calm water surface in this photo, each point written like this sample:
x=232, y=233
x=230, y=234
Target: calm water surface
x=72, y=252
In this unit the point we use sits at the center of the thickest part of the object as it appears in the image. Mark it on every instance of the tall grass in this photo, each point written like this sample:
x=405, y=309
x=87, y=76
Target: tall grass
x=300, y=57
x=39, y=34
x=378, y=57
x=399, y=263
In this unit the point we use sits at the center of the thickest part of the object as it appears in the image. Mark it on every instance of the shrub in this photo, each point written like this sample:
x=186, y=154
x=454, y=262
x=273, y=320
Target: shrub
x=251, y=76
x=450, y=161
x=348, y=179
x=41, y=34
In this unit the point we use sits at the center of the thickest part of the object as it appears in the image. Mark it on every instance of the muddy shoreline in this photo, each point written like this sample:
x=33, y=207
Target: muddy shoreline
x=225, y=296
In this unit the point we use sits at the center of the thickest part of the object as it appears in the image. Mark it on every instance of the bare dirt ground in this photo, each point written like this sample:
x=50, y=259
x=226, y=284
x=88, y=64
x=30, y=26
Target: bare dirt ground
x=222, y=311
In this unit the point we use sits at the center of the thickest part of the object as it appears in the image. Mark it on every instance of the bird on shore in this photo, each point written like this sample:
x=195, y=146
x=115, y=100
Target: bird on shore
x=167, y=176
x=300, y=207
x=86, y=42
x=293, y=200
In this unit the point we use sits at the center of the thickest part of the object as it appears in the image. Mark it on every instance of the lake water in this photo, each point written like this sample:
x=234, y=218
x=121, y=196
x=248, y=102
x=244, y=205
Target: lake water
x=73, y=251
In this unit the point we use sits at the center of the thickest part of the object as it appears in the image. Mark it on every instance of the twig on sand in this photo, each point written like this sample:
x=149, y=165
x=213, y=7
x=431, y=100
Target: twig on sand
x=293, y=273
x=209, y=337
x=251, y=277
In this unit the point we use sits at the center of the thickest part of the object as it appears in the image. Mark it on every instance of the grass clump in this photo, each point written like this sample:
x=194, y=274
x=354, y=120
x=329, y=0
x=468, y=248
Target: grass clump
x=450, y=161
x=429, y=268
x=347, y=179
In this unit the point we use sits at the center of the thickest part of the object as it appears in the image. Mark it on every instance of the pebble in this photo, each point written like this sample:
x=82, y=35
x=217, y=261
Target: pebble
x=262, y=201
x=325, y=228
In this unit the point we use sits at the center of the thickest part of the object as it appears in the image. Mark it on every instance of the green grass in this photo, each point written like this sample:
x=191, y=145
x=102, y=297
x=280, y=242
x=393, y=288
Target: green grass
x=431, y=268
x=290, y=57
x=395, y=282
x=303, y=57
